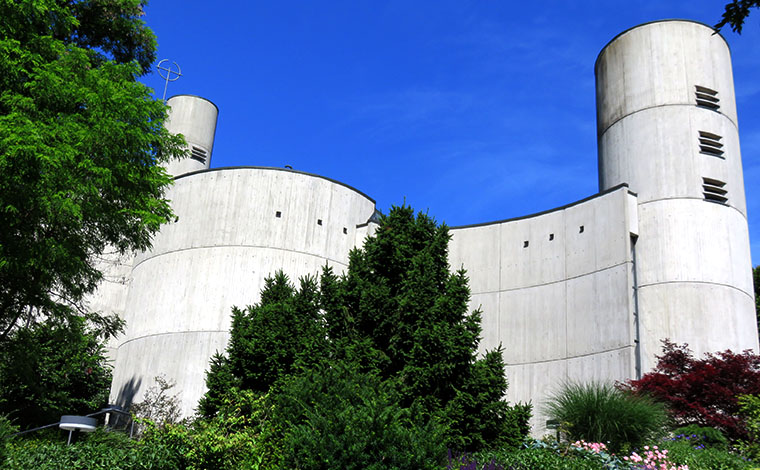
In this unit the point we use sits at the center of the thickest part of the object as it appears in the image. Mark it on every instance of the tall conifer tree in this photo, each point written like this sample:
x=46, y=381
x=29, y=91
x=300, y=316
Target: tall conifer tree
x=398, y=313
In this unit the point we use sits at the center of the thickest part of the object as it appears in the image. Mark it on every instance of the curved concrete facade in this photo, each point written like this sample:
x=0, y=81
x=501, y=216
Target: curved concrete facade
x=667, y=126
x=216, y=255
x=578, y=293
x=555, y=291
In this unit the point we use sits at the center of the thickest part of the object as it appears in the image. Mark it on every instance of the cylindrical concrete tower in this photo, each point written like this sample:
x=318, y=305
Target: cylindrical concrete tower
x=667, y=126
x=195, y=118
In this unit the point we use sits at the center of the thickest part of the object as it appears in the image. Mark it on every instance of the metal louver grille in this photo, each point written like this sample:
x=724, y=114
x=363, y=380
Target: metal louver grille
x=197, y=153
x=714, y=190
x=707, y=98
x=710, y=144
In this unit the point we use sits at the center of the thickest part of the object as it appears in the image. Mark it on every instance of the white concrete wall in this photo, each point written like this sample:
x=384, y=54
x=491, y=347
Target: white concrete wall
x=227, y=239
x=693, y=260
x=562, y=307
x=110, y=298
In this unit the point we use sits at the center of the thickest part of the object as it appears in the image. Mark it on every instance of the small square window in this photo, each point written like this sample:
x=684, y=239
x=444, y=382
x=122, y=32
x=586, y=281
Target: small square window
x=526, y=243
x=345, y=230
x=580, y=230
x=278, y=214
x=551, y=236
x=319, y=221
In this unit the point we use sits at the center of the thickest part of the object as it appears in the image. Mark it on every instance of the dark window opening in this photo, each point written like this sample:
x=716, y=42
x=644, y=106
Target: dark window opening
x=707, y=98
x=709, y=143
x=197, y=153
x=714, y=190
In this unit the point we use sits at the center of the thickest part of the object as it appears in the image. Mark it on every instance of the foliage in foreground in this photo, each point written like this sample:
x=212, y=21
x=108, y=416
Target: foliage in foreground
x=53, y=369
x=736, y=13
x=599, y=412
x=749, y=407
x=703, y=391
x=399, y=316
x=338, y=417
x=81, y=141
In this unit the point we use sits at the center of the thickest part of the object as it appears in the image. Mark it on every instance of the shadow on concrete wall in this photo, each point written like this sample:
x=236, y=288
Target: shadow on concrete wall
x=127, y=393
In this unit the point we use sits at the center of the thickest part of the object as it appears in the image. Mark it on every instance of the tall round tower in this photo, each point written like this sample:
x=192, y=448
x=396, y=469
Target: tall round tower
x=667, y=126
x=195, y=118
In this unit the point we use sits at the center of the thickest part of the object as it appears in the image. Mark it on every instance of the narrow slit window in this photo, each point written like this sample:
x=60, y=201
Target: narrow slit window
x=197, y=153
x=319, y=221
x=710, y=144
x=715, y=190
x=551, y=236
x=345, y=230
x=581, y=229
x=526, y=243
x=707, y=98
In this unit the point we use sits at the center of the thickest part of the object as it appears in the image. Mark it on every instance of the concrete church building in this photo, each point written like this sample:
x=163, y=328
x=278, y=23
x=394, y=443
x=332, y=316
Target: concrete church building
x=582, y=292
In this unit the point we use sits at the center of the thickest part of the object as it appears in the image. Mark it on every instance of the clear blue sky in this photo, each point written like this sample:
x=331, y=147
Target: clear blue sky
x=472, y=110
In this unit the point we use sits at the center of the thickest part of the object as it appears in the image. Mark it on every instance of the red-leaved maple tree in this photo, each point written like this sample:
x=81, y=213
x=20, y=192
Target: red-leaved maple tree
x=703, y=391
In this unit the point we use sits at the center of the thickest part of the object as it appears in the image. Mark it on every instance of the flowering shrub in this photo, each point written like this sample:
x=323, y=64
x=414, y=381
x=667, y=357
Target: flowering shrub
x=653, y=458
x=595, y=447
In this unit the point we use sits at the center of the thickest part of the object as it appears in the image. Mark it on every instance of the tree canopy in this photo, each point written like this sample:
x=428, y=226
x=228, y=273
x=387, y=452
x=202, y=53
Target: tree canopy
x=398, y=316
x=736, y=13
x=81, y=143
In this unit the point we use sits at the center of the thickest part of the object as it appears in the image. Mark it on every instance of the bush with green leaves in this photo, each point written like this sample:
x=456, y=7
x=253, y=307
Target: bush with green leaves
x=336, y=417
x=101, y=451
x=701, y=435
x=537, y=455
x=52, y=369
x=749, y=407
x=599, y=412
x=700, y=457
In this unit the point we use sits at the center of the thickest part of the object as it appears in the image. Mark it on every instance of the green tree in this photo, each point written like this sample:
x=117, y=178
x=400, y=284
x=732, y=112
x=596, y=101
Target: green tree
x=735, y=13
x=268, y=341
x=401, y=301
x=399, y=315
x=81, y=143
x=52, y=369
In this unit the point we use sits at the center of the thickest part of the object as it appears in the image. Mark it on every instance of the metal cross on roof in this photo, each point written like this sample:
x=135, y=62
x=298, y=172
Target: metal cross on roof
x=169, y=71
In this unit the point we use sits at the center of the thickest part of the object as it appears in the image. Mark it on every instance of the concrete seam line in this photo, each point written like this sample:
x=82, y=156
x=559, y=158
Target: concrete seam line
x=170, y=333
x=207, y=247
x=554, y=282
x=689, y=198
x=641, y=286
x=620, y=348
x=664, y=106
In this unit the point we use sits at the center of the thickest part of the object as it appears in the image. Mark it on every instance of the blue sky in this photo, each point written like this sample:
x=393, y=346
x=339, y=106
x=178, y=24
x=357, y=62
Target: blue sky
x=472, y=110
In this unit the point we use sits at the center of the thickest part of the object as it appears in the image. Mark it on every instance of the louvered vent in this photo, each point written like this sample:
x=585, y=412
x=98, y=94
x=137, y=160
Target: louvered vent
x=707, y=98
x=715, y=190
x=197, y=153
x=710, y=144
